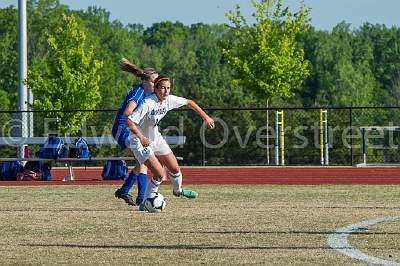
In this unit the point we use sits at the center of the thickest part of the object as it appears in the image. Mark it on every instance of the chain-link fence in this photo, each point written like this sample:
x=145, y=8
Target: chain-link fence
x=245, y=136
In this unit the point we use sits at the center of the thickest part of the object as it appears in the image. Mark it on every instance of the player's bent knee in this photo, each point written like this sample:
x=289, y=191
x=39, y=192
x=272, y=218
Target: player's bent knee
x=174, y=170
x=141, y=169
x=159, y=178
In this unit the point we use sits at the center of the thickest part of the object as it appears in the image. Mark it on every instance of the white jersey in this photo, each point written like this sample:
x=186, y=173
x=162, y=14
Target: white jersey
x=151, y=111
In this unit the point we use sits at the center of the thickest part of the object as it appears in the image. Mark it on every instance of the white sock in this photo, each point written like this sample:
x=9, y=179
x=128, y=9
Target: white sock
x=176, y=182
x=152, y=187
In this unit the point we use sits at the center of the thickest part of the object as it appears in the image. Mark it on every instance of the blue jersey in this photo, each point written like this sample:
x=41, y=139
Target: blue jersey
x=137, y=94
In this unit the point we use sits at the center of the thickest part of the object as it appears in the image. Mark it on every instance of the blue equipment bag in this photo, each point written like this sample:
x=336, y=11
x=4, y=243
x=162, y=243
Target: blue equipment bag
x=44, y=168
x=80, y=149
x=114, y=170
x=53, y=148
x=9, y=170
x=46, y=172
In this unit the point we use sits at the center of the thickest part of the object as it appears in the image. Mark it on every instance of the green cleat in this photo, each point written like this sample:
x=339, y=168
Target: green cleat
x=141, y=207
x=190, y=194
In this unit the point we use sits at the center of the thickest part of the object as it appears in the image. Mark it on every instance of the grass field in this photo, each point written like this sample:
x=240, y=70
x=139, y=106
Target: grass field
x=228, y=225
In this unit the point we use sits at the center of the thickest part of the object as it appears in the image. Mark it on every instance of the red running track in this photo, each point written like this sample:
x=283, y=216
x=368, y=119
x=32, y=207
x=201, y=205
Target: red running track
x=245, y=175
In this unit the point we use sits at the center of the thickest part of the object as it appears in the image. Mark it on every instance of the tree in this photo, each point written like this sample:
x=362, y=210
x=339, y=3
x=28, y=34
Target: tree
x=67, y=77
x=265, y=56
x=43, y=16
x=8, y=57
x=342, y=74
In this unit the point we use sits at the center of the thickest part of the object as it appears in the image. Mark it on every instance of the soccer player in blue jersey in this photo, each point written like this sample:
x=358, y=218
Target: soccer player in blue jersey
x=121, y=132
x=147, y=143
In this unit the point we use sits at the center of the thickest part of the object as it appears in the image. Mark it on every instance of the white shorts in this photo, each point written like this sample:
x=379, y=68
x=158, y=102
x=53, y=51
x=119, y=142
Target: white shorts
x=158, y=147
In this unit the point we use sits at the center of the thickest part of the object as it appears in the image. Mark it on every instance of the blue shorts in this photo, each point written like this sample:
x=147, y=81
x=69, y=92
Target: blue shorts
x=121, y=134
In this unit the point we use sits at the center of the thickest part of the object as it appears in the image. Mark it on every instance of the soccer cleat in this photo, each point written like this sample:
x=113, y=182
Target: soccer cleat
x=187, y=193
x=190, y=194
x=138, y=201
x=141, y=207
x=125, y=196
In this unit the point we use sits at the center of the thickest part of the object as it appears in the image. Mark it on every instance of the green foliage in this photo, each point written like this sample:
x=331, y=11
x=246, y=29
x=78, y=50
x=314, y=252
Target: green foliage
x=67, y=78
x=267, y=59
x=43, y=17
x=385, y=44
x=342, y=74
x=265, y=56
x=161, y=33
x=8, y=58
x=112, y=42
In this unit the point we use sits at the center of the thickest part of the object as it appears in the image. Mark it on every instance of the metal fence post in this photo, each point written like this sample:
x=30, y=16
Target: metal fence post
x=204, y=155
x=351, y=133
x=276, y=150
x=364, y=145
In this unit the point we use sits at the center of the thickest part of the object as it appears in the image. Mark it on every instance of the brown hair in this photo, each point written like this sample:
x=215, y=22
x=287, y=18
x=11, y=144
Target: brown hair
x=159, y=79
x=148, y=72
x=127, y=66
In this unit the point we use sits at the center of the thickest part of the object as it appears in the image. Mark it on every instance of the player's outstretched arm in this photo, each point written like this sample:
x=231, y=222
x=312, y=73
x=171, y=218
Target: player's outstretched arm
x=208, y=120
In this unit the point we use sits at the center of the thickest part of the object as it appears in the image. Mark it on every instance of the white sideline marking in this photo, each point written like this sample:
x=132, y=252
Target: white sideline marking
x=338, y=240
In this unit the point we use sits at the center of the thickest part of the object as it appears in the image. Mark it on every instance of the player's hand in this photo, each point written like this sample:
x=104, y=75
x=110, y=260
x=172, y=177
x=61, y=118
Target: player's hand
x=209, y=122
x=145, y=141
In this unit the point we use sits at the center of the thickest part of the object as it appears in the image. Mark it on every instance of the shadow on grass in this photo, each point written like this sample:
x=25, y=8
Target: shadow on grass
x=358, y=207
x=59, y=210
x=191, y=247
x=279, y=232
x=113, y=210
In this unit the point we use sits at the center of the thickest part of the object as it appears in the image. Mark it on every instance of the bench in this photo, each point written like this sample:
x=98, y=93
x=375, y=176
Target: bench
x=101, y=140
x=19, y=141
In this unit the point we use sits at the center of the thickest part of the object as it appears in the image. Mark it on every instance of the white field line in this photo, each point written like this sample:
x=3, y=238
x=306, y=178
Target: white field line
x=338, y=240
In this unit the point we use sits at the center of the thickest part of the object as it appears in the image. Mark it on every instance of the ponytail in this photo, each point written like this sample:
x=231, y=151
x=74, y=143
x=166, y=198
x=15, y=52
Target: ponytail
x=127, y=66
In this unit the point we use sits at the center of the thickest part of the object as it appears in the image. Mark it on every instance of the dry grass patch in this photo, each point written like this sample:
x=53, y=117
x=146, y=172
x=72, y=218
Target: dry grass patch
x=232, y=224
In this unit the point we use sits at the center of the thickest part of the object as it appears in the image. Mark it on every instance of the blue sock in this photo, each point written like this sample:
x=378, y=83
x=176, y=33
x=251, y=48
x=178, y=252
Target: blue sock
x=142, y=184
x=128, y=184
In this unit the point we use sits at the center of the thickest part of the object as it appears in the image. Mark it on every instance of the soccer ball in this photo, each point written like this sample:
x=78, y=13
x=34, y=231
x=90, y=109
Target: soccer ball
x=155, y=202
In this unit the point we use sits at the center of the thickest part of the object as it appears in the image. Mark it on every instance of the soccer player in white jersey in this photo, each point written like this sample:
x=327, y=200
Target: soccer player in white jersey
x=121, y=133
x=147, y=143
